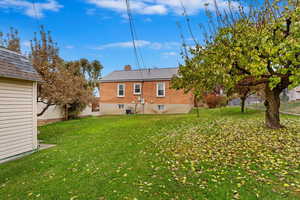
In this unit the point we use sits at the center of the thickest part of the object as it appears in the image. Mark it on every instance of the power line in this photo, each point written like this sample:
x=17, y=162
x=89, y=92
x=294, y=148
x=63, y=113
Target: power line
x=132, y=32
x=139, y=49
x=188, y=22
x=35, y=13
x=136, y=50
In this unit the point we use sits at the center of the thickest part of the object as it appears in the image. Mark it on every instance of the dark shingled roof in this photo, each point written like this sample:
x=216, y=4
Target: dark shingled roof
x=14, y=65
x=155, y=74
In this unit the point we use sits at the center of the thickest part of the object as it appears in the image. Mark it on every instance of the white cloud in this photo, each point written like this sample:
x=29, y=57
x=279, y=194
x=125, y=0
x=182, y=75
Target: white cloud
x=141, y=6
x=167, y=54
x=90, y=11
x=140, y=43
x=69, y=47
x=26, y=44
x=162, y=7
x=32, y=10
x=148, y=19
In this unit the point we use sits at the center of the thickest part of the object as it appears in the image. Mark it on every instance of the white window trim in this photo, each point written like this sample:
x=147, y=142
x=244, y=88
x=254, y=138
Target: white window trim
x=134, y=88
x=164, y=86
x=118, y=90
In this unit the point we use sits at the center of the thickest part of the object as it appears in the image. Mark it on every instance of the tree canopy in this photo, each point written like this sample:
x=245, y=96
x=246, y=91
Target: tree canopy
x=68, y=84
x=11, y=40
x=250, y=47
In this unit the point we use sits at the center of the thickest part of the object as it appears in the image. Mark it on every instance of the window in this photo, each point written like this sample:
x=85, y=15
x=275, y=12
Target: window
x=121, y=106
x=160, y=89
x=96, y=92
x=298, y=95
x=121, y=90
x=161, y=107
x=137, y=88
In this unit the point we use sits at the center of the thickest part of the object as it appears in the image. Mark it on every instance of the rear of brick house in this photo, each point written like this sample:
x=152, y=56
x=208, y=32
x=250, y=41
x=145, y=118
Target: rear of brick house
x=146, y=91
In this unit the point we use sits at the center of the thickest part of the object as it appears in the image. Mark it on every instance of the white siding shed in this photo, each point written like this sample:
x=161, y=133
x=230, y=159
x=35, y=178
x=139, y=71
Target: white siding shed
x=18, y=105
x=294, y=94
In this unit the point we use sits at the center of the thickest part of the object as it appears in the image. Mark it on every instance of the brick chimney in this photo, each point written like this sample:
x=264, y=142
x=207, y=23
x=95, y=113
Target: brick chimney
x=127, y=67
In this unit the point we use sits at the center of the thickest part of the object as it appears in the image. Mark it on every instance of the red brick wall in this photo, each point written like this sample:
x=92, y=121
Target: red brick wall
x=108, y=94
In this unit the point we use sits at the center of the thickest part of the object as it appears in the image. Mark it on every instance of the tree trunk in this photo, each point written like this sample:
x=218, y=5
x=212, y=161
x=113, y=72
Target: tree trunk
x=272, y=104
x=243, y=102
x=66, y=113
x=45, y=109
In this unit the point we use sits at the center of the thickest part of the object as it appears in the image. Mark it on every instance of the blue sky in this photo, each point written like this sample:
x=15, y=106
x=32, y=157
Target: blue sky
x=99, y=29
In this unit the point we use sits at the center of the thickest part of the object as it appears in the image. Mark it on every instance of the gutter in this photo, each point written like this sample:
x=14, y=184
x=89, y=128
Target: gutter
x=134, y=80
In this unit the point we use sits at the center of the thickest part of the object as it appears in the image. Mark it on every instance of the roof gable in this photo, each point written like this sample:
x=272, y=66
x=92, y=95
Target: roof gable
x=141, y=75
x=14, y=65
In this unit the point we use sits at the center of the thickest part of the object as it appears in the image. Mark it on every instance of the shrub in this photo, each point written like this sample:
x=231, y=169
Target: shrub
x=75, y=109
x=223, y=101
x=213, y=100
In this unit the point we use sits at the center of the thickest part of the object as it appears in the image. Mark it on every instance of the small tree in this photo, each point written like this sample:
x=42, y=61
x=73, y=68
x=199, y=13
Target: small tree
x=67, y=84
x=45, y=59
x=195, y=77
x=88, y=74
x=11, y=40
x=73, y=94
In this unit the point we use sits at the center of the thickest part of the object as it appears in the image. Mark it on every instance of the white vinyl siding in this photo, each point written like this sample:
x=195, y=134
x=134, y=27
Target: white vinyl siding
x=18, y=128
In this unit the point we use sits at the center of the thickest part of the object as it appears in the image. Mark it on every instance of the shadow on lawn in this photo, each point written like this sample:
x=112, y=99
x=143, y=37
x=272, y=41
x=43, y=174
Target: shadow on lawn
x=230, y=111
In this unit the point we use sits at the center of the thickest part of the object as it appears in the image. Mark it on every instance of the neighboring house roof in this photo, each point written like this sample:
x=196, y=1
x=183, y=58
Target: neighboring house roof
x=141, y=75
x=15, y=65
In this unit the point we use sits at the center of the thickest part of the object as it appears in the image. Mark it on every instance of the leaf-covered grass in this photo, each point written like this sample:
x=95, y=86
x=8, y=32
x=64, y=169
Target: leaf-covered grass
x=221, y=155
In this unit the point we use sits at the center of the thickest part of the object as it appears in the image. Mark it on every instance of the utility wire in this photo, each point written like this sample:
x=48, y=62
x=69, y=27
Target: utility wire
x=184, y=44
x=35, y=13
x=139, y=49
x=136, y=49
x=140, y=55
x=188, y=22
x=132, y=32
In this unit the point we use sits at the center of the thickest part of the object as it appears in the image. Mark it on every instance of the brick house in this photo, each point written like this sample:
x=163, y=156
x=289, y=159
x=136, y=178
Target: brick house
x=145, y=91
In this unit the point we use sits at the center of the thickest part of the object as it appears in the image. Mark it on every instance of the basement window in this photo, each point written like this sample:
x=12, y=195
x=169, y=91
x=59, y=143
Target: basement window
x=121, y=106
x=161, y=107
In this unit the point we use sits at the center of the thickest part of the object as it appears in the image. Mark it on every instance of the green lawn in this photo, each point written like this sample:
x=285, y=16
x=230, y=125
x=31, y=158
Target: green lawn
x=288, y=107
x=221, y=155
